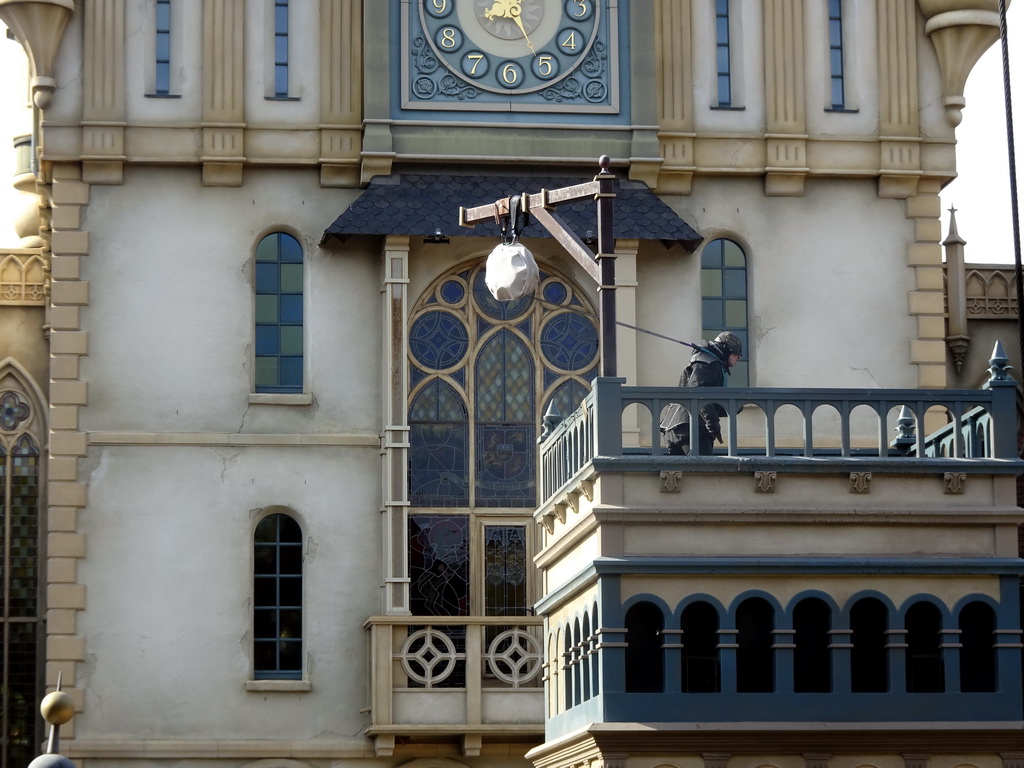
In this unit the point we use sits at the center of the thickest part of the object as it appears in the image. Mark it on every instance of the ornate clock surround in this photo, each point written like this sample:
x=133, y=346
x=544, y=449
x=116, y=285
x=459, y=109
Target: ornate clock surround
x=540, y=56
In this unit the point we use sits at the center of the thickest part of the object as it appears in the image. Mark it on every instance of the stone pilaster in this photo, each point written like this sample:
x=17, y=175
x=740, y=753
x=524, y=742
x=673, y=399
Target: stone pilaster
x=103, y=95
x=395, y=450
x=785, y=111
x=223, y=92
x=898, y=99
x=674, y=30
x=341, y=93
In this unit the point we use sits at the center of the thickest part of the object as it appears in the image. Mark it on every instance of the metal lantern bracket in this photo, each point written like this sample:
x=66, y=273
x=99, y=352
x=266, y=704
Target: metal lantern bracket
x=542, y=207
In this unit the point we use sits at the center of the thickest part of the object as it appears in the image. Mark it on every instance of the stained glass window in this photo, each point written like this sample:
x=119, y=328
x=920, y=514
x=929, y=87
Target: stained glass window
x=279, y=311
x=19, y=591
x=482, y=373
x=277, y=599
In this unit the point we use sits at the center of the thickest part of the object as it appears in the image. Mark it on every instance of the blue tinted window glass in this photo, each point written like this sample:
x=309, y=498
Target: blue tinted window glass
x=438, y=340
x=163, y=15
x=268, y=278
x=267, y=339
x=714, y=313
x=281, y=81
x=734, y=282
x=163, y=48
x=163, y=78
x=837, y=92
x=290, y=248
x=569, y=341
x=291, y=371
x=281, y=18
x=291, y=309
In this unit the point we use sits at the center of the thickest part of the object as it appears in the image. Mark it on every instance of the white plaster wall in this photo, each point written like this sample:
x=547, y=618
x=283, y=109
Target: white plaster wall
x=827, y=280
x=169, y=586
x=170, y=317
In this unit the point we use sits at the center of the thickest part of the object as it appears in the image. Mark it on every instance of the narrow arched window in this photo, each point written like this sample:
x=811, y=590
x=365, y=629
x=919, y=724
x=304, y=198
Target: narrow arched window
x=812, y=668
x=925, y=671
x=977, y=648
x=20, y=595
x=644, y=659
x=279, y=315
x=869, y=658
x=723, y=288
x=277, y=599
x=755, y=658
x=701, y=670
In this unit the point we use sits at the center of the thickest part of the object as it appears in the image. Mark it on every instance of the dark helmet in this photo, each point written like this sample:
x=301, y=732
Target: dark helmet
x=729, y=342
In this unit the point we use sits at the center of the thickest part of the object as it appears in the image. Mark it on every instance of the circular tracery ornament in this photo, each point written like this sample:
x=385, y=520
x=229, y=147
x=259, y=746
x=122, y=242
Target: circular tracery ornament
x=12, y=411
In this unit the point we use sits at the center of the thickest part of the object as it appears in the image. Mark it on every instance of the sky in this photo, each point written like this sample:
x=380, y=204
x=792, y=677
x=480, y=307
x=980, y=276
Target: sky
x=981, y=192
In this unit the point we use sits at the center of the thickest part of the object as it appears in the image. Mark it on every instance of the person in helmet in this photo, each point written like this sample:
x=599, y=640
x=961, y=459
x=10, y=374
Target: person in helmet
x=709, y=365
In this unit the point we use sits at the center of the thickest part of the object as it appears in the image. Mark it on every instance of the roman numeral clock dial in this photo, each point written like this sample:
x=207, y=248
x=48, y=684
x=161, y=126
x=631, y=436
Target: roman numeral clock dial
x=540, y=55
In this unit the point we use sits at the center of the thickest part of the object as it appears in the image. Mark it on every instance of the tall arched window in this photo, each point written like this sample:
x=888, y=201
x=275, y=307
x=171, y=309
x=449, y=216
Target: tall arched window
x=481, y=374
x=723, y=288
x=279, y=314
x=277, y=599
x=812, y=668
x=869, y=658
x=20, y=548
x=755, y=658
x=701, y=672
x=925, y=670
x=645, y=661
x=977, y=648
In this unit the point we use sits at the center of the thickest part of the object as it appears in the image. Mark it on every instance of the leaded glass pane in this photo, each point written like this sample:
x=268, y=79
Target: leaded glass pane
x=24, y=529
x=19, y=698
x=291, y=249
x=569, y=341
x=290, y=372
x=291, y=309
x=438, y=447
x=439, y=564
x=438, y=340
x=505, y=383
x=505, y=569
x=267, y=249
x=498, y=310
x=505, y=458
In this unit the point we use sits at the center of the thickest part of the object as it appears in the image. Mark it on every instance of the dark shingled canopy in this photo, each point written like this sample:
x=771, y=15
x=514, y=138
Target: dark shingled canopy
x=420, y=204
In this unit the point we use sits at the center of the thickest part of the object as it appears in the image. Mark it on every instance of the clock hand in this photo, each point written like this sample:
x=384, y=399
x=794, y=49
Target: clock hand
x=510, y=9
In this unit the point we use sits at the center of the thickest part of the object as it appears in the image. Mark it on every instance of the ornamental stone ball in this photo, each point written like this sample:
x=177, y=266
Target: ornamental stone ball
x=57, y=708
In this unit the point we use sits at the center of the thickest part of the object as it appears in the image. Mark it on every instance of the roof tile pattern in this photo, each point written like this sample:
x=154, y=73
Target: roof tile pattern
x=421, y=204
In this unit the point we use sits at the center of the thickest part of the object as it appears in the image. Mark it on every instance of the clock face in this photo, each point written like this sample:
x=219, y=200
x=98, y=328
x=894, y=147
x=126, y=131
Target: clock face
x=550, y=54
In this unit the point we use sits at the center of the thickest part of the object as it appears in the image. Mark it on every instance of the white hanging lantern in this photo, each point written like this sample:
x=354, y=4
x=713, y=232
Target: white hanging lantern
x=511, y=272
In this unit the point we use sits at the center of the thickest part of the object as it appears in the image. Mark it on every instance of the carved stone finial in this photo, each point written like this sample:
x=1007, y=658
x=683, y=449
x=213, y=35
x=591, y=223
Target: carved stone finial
x=999, y=364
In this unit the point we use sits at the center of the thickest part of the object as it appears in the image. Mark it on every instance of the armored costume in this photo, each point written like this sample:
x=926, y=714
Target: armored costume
x=708, y=367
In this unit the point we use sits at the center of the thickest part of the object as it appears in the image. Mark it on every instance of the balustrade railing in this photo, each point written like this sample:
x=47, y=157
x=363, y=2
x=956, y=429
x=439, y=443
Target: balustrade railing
x=965, y=424
x=460, y=672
